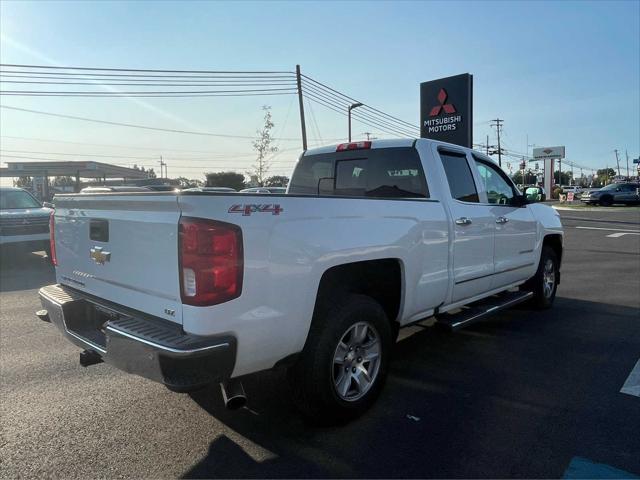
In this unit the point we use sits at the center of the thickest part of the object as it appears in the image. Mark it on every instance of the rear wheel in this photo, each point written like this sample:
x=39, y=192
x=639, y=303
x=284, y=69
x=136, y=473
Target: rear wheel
x=344, y=363
x=544, y=284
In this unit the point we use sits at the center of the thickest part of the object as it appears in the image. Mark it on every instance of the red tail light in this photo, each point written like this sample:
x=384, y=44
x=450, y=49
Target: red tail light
x=52, y=238
x=211, y=261
x=353, y=146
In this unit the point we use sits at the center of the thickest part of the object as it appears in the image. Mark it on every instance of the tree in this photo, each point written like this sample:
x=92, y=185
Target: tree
x=225, y=179
x=24, y=182
x=263, y=146
x=605, y=176
x=150, y=173
x=565, y=178
x=63, y=180
x=277, y=181
x=529, y=178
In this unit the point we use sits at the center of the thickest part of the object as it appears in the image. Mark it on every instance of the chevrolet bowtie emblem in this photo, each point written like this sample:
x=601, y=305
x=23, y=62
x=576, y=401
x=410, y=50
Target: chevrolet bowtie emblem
x=99, y=256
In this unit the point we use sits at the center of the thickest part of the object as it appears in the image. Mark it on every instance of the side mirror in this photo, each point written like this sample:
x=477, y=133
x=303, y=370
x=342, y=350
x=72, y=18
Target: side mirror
x=48, y=205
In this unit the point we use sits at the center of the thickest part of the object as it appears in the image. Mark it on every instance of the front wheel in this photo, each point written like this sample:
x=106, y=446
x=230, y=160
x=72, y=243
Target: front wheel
x=544, y=284
x=344, y=363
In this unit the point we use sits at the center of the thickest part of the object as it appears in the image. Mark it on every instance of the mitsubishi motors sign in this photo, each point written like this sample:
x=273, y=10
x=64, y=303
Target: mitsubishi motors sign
x=446, y=110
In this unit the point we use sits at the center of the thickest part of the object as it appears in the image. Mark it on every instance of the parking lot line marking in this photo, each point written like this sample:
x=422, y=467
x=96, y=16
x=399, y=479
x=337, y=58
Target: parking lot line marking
x=632, y=384
x=621, y=234
x=609, y=229
x=584, y=468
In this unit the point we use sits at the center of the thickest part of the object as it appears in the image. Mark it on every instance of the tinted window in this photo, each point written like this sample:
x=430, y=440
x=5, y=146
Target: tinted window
x=459, y=177
x=499, y=190
x=386, y=173
x=17, y=199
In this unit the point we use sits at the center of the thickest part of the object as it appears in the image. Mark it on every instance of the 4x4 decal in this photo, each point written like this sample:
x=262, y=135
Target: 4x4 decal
x=248, y=209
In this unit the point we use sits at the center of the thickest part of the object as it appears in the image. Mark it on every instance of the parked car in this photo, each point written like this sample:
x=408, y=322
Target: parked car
x=373, y=236
x=624, y=193
x=265, y=190
x=24, y=220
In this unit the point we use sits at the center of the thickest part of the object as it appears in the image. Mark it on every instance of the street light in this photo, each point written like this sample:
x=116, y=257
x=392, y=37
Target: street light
x=351, y=107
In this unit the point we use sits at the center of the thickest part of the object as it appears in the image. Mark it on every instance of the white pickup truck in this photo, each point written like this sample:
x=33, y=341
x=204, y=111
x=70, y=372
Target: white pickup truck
x=199, y=288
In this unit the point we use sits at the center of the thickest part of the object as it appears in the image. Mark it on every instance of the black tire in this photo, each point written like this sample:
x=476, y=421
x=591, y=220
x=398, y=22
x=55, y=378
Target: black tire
x=314, y=376
x=606, y=201
x=543, y=298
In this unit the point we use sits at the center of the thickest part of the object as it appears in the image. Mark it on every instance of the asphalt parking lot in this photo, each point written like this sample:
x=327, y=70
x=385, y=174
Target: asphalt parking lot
x=525, y=394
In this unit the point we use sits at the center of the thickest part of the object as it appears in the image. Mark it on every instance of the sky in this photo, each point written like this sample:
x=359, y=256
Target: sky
x=557, y=73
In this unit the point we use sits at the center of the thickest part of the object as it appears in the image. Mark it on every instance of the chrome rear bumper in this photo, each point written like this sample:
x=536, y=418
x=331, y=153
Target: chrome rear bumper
x=136, y=343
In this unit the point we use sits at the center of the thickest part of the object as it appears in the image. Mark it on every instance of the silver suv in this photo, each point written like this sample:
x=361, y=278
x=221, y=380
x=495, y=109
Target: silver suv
x=24, y=221
x=626, y=193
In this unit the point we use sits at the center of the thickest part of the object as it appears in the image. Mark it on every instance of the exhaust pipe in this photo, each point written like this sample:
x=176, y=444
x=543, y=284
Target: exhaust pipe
x=233, y=394
x=43, y=315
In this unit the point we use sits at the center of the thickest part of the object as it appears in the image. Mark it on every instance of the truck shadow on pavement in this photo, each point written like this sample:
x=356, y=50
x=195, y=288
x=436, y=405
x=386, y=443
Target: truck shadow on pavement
x=24, y=270
x=518, y=395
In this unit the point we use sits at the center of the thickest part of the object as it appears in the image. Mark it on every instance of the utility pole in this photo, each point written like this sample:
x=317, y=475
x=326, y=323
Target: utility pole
x=487, y=145
x=303, y=125
x=162, y=164
x=617, y=161
x=572, y=178
x=498, y=128
x=369, y=137
x=626, y=152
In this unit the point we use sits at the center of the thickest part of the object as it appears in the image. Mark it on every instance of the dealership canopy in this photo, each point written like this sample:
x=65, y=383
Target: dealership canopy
x=72, y=169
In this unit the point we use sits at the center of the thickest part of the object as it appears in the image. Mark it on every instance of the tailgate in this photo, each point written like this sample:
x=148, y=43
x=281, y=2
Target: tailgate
x=122, y=248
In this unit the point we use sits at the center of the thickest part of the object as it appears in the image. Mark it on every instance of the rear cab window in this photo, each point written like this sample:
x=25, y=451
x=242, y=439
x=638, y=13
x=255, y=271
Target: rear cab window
x=459, y=176
x=376, y=173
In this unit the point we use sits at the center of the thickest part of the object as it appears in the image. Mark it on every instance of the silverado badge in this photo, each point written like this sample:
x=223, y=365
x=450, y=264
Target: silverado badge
x=99, y=256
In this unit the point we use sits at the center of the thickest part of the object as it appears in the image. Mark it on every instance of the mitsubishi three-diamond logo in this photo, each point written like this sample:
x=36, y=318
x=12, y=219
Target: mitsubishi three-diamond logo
x=447, y=107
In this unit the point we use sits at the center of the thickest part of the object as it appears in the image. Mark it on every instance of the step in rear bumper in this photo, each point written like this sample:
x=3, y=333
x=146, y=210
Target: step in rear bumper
x=137, y=343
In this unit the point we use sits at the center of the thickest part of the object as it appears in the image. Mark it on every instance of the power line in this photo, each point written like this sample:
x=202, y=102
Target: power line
x=133, y=69
x=356, y=115
x=364, y=105
x=75, y=154
x=208, y=160
x=131, y=125
x=71, y=75
x=372, y=116
x=107, y=145
x=398, y=129
x=195, y=93
x=152, y=84
x=337, y=110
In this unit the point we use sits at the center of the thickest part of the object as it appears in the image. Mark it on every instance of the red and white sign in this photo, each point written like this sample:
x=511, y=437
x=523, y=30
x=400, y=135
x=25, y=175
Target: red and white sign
x=570, y=197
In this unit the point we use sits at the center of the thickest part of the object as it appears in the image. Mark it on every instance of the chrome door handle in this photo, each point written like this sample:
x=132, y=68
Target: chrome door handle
x=463, y=221
x=502, y=220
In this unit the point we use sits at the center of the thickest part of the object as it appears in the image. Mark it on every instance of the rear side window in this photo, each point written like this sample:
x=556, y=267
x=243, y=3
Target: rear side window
x=459, y=176
x=378, y=173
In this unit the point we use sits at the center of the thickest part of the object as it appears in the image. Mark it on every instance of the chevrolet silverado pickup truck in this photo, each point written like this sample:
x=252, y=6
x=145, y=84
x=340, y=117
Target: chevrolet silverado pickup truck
x=198, y=288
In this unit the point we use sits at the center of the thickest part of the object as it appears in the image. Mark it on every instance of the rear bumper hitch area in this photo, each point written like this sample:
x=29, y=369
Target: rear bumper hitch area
x=138, y=343
x=90, y=357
